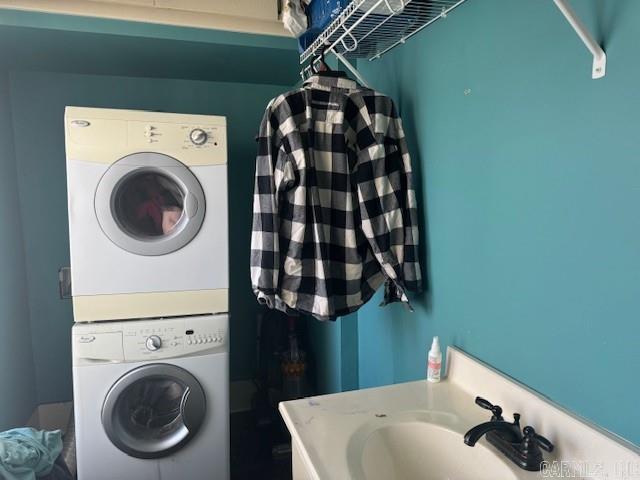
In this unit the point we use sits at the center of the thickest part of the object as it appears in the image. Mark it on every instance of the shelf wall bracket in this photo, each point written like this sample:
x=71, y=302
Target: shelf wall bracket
x=599, y=57
x=352, y=69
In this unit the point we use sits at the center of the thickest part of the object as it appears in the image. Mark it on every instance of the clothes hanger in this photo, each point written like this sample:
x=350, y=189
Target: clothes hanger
x=322, y=63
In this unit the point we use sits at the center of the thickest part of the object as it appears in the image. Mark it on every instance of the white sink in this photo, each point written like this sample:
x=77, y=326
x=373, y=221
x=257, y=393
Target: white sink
x=415, y=431
x=419, y=450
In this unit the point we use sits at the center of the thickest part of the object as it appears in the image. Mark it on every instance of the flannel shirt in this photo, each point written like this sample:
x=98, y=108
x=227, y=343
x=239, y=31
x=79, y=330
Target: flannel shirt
x=334, y=211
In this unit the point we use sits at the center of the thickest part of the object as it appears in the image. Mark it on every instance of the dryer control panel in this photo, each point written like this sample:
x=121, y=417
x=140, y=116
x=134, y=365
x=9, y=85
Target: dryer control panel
x=105, y=135
x=140, y=340
x=184, y=137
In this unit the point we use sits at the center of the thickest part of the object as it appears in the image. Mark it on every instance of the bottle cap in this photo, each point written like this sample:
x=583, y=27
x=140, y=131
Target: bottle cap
x=435, y=345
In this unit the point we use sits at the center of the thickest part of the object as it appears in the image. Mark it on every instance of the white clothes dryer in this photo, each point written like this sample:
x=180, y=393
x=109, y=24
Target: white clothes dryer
x=151, y=399
x=148, y=225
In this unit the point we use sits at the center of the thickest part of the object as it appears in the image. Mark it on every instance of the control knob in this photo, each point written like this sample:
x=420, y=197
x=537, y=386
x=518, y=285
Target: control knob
x=153, y=343
x=198, y=136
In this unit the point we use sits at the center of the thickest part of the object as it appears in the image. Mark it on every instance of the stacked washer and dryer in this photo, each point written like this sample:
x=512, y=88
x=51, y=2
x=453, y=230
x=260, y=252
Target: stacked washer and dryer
x=148, y=230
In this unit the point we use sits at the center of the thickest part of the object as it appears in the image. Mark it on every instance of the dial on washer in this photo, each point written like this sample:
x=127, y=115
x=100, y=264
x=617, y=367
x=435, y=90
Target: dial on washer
x=198, y=136
x=153, y=343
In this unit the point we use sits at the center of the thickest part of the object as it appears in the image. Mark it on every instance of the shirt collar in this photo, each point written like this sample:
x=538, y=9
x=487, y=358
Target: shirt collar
x=331, y=79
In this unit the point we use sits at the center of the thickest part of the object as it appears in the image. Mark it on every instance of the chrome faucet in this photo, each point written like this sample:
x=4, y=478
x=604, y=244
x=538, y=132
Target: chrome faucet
x=522, y=448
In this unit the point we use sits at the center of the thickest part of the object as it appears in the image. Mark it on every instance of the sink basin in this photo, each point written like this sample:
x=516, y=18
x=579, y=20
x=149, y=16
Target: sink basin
x=415, y=430
x=418, y=450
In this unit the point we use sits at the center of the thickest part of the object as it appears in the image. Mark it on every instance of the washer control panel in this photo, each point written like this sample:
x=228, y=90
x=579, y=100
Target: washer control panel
x=168, y=338
x=139, y=340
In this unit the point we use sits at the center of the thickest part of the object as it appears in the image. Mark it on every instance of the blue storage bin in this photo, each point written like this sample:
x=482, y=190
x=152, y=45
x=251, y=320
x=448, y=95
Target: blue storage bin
x=320, y=14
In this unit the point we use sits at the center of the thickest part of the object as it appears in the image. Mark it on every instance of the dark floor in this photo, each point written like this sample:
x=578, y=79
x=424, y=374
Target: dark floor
x=253, y=443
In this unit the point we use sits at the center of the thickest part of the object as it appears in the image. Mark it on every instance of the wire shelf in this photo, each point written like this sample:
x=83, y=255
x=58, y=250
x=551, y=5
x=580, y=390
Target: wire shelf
x=370, y=28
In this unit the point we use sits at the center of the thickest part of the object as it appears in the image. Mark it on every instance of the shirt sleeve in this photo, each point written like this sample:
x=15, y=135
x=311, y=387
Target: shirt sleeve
x=265, y=248
x=386, y=197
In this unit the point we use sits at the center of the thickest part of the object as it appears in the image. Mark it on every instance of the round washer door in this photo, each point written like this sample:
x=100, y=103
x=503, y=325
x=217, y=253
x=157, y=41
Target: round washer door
x=149, y=204
x=154, y=410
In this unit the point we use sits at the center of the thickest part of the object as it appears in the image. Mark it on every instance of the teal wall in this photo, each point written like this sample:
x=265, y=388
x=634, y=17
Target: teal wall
x=37, y=103
x=529, y=188
x=17, y=374
x=138, y=30
x=73, y=44
x=335, y=354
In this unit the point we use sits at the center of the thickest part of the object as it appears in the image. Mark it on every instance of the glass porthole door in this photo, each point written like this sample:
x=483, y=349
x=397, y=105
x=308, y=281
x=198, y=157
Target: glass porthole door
x=153, y=411
x=149, y=204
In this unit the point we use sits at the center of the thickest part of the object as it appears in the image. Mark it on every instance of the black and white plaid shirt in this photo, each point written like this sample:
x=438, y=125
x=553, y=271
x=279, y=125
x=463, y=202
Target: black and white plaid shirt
x=334, y=211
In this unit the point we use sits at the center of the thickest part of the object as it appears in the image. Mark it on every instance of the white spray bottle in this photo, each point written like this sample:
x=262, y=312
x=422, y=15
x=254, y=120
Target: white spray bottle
x=434, y=361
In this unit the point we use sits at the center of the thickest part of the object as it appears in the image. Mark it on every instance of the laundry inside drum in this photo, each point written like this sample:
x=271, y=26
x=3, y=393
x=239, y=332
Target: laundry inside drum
x=150, y=408
x=148, y=204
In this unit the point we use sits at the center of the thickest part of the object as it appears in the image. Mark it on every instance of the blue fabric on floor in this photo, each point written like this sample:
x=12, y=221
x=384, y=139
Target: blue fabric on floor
x=26, y=453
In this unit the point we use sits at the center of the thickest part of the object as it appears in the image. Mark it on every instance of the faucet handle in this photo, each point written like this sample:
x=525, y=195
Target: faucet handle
x=487, y=405
x=531, y=435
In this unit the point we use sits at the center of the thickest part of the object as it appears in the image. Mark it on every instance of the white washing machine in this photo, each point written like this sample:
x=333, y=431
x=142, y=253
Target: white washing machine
x=148, y=226
x=151, y=399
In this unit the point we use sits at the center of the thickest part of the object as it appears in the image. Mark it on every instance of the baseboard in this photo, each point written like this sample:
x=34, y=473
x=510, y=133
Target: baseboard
x=240, y=393
x=51, y=416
